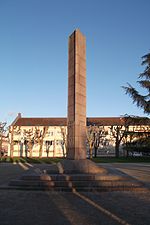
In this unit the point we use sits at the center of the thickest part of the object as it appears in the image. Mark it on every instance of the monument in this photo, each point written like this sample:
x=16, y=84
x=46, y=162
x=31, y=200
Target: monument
x=76, y=161
x=76, y=173
x=76, y=96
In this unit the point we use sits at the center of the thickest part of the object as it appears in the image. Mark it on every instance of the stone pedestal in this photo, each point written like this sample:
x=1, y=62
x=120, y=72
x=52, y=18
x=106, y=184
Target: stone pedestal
x=83, y=166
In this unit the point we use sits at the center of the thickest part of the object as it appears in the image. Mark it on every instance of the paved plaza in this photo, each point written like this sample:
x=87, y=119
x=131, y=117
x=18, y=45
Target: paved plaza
x=139, y=171
x=18, y=207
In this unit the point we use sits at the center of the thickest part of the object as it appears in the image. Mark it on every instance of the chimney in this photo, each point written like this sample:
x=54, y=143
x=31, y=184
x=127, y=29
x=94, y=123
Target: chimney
x=17, y=118
x=19, y=115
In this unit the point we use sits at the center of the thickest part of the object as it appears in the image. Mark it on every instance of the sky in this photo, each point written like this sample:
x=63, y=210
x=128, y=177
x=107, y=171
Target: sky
x=34, y=55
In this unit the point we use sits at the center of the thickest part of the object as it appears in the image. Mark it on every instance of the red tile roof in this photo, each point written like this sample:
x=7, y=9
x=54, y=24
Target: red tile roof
x=40, y=122
x=105, y=121
x=98, y=121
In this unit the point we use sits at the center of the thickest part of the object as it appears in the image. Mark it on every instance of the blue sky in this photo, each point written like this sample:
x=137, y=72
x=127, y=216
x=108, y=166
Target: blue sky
x=34, y=54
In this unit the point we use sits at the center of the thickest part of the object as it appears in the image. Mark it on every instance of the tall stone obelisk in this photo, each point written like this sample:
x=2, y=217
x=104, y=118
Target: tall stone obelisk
x=76, y=141
x=76, y=161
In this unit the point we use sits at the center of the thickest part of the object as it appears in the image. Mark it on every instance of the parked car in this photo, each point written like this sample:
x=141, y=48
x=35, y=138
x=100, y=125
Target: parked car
x=137, y=154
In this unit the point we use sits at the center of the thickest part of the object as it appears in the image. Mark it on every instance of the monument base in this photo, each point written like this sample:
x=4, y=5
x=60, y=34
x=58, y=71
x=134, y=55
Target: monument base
x=75, y=176
x=85, y=166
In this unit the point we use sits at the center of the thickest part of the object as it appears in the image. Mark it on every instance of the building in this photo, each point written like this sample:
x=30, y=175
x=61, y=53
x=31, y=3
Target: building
x=46, y=137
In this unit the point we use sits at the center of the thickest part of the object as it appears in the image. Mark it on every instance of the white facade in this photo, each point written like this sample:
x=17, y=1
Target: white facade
x=25, y=141
x=47, y=137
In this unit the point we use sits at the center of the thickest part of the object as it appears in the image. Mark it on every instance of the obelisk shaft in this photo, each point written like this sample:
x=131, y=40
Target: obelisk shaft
x=76, y=141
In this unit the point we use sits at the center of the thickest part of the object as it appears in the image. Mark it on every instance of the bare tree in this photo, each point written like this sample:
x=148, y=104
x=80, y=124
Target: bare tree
x=39, y=137
x=48, y=145
x=64, y=141
x=2, y=135
x=98, y=132
x=94, y=135
x=118, y=132
x=14, y=130
x=90, y=140
x=29, y=141
x=11, y=140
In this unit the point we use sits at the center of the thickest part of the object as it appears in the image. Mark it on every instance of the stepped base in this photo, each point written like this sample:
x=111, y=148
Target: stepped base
x=76, y=175
x=84, y=166
x=76, y=182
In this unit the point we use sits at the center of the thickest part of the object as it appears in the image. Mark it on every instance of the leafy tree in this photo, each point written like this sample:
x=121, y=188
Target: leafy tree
x=142, y=101
x=137, y=141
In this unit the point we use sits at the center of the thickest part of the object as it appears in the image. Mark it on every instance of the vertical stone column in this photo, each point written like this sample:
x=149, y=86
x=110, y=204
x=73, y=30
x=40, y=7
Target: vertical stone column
x=76, y=141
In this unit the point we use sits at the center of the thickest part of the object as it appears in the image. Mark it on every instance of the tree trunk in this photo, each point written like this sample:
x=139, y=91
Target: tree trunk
x=47, y=149
x=0, y=146
x=127, y=153
x=95, y=152
x=40, y=150
x=47, y=152
x=91, y=152
x=54, y=148
x=117, y=149
x=30, y=149
x=41, y=141
x=26, y=150
x=21, y=149
x=12, y=143
x=63, y=148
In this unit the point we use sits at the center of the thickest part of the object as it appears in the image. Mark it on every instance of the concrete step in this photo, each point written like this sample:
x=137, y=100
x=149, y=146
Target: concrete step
x=74, y=177
x=78, y=189
x=88, y=177
x=93, y=183
x=79, y=182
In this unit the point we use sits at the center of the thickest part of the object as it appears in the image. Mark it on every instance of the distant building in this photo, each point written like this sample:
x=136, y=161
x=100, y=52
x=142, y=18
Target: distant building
x=46, y=137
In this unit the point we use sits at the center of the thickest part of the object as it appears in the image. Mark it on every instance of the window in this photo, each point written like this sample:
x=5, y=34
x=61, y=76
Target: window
x=50, y=133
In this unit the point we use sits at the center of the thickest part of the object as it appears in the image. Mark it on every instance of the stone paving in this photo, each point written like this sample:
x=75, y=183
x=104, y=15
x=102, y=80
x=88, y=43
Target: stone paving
x=58, y=208
x=139, y=171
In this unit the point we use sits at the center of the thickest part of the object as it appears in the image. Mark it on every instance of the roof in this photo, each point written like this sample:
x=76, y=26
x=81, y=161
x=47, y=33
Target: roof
x=97, y=121
x=40, y=122
x=104, y=121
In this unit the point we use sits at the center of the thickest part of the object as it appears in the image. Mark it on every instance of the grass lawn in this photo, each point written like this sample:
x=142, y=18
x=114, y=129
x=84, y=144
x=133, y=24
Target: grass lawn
x=121, y=160
x=30, y=160
x=96, y=160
